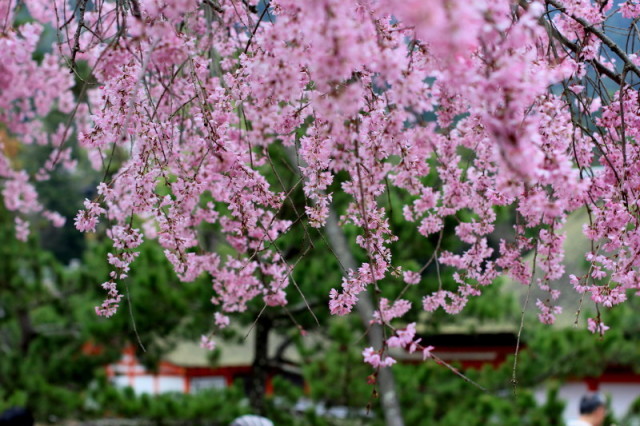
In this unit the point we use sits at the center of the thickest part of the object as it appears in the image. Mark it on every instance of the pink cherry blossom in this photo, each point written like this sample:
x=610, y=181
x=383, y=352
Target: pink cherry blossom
x=433, y=116
x=596, y=326
x=373, y=358
x=207, y=343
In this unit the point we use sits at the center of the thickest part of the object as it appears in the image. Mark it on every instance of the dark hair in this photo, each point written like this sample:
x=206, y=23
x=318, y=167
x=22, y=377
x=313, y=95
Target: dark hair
x=591, y=402
x=16, y=416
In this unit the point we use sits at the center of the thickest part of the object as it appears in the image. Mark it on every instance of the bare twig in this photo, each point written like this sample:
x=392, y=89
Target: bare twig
x=253, y=33
x=514, y=379
x=76, y=39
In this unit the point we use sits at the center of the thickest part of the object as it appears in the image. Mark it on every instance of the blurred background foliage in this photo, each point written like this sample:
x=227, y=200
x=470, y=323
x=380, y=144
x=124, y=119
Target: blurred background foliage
x=50, y=285
x=46, y=316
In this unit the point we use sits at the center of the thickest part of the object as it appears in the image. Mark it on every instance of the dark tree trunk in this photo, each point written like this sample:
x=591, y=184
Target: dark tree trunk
x=260, y=367
x=26, y=329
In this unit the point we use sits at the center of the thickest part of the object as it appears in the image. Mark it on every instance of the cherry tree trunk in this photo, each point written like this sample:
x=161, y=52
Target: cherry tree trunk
x=365, y=308
x=260, y=367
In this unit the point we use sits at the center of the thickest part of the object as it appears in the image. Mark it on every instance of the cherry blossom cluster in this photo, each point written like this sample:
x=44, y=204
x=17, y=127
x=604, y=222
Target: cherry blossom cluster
x=29, y=90
x=459, y=107
x=405, y=339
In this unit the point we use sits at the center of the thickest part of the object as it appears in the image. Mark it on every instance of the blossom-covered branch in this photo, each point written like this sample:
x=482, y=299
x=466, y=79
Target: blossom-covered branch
x=460, y=106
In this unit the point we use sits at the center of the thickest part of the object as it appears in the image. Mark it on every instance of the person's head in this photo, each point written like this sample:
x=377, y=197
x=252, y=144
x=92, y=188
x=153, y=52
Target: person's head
x=251, y=420
x=16, y=416
x=593, y=408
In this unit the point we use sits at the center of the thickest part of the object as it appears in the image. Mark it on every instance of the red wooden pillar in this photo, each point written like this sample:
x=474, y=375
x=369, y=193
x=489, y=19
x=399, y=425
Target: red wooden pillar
x=187, y=382
x=593, y=383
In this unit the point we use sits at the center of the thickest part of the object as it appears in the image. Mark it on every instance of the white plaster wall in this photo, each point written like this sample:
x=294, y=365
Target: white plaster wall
x=570, y=393
x=170, y=384
x=120, y=381
x=143, y=384
x=215, y=382
x=622, y=396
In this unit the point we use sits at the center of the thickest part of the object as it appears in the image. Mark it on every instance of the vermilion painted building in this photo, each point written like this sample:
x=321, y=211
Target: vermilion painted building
x=620, y=383
x=187, y=369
